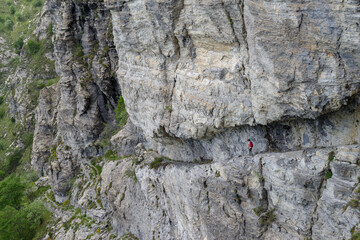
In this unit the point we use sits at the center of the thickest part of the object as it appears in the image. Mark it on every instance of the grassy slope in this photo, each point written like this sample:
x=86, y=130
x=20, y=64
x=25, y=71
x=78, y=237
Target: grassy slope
x=17, y=22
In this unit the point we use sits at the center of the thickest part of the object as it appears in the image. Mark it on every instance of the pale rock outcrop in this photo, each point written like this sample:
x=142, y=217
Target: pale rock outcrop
x=219, y=200
x=87, y=91
x=194, y=68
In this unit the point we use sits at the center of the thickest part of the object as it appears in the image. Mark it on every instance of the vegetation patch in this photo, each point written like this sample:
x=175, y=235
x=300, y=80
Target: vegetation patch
x=33, y=46
x=18, y=211
x=267, y=218
x=353, y=203
x=120, y=111
x=22, y=214
x=355, y=235
x=128, y=236
x=331, y=156
x=156, y=163
x=130, y=173
x=328, y=174
x=259, y=210
x=111, y=155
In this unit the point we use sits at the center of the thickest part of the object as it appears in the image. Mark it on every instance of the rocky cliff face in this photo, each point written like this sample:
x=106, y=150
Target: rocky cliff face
x=72, y=115
x=270, y=196
x=198, y=79
x=214, y=66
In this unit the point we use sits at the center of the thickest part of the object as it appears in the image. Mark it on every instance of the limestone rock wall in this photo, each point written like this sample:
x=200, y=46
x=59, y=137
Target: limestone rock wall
x=86, y=93
x=213, y=65
x=198, y=79
x=220, y=200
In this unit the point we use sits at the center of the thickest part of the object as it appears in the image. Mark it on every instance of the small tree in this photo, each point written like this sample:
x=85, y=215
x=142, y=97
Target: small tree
x=11, y=192
x=18, y=44
x=37, y=3
x=9, y=24
x=33, y=46
x=13, y=160
x=12, y=10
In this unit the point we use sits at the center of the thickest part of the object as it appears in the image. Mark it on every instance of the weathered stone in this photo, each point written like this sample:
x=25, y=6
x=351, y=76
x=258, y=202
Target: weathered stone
x=198, y=79
x=213, y=65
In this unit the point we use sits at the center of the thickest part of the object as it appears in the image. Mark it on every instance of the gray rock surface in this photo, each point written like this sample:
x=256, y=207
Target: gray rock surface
x=45, y=130
x=198, y=79
x=213, y=65
x=127, y=138
x=87, y=90
x=217, y=200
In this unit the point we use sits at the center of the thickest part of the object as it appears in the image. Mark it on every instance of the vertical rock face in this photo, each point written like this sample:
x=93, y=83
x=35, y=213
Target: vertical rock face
x=185, y=200
x=198, y=79
x=197, y=75
x=45, y=130
x=335, y=213
x=270, y=196
x=213, y=65
x=86, y=93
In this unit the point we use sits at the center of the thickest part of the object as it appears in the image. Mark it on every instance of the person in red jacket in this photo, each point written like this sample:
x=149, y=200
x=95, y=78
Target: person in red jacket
x=250, y=146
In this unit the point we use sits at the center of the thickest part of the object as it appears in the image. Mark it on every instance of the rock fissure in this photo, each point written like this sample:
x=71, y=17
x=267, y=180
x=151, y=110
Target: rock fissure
x=244, y=30
x=318, y=196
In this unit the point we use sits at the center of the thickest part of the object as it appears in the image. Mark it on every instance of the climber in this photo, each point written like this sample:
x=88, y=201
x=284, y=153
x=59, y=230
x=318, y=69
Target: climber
x=250, y=147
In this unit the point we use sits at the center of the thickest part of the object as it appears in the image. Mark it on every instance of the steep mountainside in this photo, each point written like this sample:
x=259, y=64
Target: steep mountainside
x=145, y=133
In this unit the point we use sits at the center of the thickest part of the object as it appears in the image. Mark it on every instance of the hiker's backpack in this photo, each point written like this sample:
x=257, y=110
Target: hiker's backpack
x=251, y=144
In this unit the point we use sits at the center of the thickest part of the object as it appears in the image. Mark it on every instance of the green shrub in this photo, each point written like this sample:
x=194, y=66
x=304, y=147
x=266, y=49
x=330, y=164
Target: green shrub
x=9, y=24
x=12, y=10
x=328, y=174
x=40, y=85
x=18, y=44
x=331, y=156
x=2, y=113
x=33, y=46
x=11, y=192
x=1, y=20
x=13, y=160
x=50, y=29
x=120, y=111
x=19, y=17
x=37, y=3
x=27, y=139
x=1, y=100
